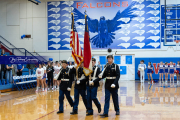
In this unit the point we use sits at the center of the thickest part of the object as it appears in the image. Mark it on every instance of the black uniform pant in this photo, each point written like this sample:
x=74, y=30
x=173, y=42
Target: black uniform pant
x=92, y=96
x=50, y=79
x=114, y=93
x=61, y=99
x=78, y=92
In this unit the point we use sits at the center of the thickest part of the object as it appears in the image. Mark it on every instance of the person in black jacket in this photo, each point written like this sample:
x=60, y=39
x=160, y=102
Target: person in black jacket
x=92, y=87
x=50, y=71
x=65, y=77
x=80, y=88
x=112, y=74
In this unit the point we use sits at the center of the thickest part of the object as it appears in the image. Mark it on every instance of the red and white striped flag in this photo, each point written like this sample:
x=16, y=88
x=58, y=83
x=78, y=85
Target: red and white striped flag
x=75, y=44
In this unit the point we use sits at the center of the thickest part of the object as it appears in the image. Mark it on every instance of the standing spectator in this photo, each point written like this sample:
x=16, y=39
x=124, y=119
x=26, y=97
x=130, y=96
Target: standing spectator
x=39, y=74
x=3, y=52
x=50, y=70
x=3, y=70
x=9, y=68
x=70, y=65
x=100, y=66
x=14, y=70
x=31, y=68
x=0, y=71
x=60, y=62
x=142, y=68
x=20, y=68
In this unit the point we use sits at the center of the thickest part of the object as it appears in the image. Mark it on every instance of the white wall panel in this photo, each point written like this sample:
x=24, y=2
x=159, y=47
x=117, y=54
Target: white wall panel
x=12, y=14
x=29, y=10
x=23, y=10
x=39, y=34
x=29, y=27
x=39, y=10
x=23, y=27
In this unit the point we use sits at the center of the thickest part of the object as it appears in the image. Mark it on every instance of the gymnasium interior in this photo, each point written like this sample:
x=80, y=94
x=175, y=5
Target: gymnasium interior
x=131, y=31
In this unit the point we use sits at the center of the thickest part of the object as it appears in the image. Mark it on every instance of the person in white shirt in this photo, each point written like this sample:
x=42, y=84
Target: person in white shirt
x=70, y=65
x=39, y=74
x=56, y=71
x=141, y=68
x=44, y=77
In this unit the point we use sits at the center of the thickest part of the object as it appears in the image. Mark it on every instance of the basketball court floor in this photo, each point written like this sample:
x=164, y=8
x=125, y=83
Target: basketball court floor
x=138, y=101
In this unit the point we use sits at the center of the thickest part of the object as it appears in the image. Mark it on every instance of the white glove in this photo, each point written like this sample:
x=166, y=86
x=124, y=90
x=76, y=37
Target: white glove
x=75, y=66
x=113, y=86
x=91, y=83
x=100, y=76
x=69, y=89
x=78, y=82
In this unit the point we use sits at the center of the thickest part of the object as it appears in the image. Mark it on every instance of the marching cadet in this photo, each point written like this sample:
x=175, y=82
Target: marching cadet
x=92, y=87
x=112, y=74
x=80, y=88
x=65, y=76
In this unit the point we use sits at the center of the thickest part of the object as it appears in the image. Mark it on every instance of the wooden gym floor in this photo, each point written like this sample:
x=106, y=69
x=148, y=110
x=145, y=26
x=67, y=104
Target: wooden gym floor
x=138, y=101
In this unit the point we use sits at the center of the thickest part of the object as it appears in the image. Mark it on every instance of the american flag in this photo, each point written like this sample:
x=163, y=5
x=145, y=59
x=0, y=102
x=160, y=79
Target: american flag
x=75, y=44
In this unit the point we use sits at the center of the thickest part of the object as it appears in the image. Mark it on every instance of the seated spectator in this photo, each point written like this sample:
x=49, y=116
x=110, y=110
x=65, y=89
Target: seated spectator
x=31, y=68
x=9, y=68
x=20, y=68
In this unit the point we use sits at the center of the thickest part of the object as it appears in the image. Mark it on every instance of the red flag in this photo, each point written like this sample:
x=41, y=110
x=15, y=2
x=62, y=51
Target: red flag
x=87, y=50
x=75, y=44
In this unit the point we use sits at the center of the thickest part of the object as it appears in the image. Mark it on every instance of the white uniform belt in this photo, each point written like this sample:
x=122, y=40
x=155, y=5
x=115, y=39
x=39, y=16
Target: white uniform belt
x=93, y=78
x=64, y=79
x=111, y=77
x=80, y=79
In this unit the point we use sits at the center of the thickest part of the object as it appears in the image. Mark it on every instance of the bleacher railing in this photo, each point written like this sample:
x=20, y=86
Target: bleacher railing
x=19, y=51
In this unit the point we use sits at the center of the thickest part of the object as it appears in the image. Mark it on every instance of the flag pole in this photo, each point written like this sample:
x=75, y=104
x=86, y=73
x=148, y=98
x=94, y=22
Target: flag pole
x=91, y=57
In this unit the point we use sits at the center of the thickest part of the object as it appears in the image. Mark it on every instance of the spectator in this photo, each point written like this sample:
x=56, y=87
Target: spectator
x=50, y=70
x=14, y=70
x=3, y=69
x=60, y=62
x=70, y=65
x=20, y=68
x=100, y=66
x=3, y=52
x=31, y=68
x=9, y=68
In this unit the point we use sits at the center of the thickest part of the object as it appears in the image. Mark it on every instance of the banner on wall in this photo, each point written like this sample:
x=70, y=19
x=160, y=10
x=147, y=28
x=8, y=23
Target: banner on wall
x=117, y=24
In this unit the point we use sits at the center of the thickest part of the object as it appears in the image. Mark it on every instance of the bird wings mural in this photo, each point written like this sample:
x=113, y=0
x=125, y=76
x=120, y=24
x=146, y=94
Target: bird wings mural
x=105, y=29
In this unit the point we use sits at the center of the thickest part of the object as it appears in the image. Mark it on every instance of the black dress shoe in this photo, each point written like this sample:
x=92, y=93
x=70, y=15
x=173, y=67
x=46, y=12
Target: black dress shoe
x=89, y=114
x=104, y=115
x=99, y=109
x=117, y=113
x=73, y=112
x=59, y=112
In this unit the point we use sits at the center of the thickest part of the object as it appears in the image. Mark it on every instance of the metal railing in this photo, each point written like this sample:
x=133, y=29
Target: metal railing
x=20, y=51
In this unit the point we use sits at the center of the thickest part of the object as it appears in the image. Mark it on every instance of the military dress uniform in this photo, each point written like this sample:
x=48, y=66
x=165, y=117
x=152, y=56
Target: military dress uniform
x=65, y=87
x=92, y=90
x=112, y=75
x=80, y=89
